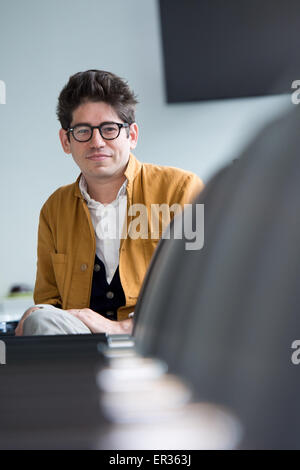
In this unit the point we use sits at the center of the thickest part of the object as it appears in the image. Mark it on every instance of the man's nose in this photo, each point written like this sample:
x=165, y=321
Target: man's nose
x=97, y=140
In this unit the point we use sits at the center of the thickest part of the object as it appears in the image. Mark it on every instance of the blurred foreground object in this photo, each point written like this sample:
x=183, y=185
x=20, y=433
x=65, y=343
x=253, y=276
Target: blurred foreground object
x=224, y=318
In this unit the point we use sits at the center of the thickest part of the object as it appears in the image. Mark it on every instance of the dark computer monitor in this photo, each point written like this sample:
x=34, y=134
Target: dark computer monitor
x=216, y=49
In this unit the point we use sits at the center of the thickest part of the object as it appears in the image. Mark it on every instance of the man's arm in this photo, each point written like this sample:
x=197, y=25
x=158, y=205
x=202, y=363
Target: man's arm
x=99, y=324
x=46, y=289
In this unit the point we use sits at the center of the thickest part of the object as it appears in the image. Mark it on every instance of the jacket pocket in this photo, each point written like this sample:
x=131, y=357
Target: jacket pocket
x=59, y=262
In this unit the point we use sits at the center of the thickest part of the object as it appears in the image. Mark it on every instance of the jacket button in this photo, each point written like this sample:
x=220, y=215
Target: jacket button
x=97, y=268
x=110, y=294
x=110, y=314
x=83, y=267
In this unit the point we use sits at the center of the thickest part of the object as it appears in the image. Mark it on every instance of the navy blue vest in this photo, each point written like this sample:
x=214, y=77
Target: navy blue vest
x=106, y=298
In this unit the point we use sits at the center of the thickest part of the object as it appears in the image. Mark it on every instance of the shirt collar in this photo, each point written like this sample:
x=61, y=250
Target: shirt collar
x=91, y=202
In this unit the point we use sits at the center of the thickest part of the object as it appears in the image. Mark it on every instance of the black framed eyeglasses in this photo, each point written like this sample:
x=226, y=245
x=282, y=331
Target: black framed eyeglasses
x=108, y=131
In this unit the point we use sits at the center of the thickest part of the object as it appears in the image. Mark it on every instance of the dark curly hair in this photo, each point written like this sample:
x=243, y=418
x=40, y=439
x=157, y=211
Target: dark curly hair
x=96, y=85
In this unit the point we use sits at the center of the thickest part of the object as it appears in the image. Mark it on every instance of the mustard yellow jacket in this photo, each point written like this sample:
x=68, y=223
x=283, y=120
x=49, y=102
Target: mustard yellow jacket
x=66, y=238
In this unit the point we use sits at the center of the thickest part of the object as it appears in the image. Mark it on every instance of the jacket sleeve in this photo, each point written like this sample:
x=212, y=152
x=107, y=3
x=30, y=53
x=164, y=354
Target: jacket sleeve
x=46, y=289
x=189, y=190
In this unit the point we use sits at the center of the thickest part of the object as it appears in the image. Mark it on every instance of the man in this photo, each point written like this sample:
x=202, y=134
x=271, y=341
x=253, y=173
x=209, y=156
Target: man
x=87, y=281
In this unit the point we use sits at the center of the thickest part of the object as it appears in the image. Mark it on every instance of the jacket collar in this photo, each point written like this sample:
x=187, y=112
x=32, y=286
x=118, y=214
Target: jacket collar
x=132, y=169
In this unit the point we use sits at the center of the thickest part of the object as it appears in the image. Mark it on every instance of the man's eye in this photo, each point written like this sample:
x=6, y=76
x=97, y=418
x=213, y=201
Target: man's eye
x=83, y=131
x=109, y=129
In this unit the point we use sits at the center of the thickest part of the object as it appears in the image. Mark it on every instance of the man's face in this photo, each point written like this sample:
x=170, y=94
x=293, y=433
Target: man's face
x=104, y=160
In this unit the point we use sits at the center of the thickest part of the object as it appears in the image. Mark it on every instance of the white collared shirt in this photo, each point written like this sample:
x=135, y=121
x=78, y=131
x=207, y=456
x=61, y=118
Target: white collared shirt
x=108, y=221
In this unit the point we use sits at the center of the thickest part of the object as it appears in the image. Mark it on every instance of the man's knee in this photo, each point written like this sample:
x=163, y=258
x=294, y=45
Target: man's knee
x=30, y=310
x=36, y=320
x=53, y=322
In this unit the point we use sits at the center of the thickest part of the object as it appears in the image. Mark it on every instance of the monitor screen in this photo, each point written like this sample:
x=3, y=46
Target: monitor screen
x=216, y=49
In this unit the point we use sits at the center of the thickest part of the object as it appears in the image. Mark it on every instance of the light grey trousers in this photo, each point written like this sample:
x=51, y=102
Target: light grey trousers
x=49, y=320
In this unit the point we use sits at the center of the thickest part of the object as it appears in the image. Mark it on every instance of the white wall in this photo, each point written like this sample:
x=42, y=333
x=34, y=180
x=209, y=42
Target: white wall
x=41, y=44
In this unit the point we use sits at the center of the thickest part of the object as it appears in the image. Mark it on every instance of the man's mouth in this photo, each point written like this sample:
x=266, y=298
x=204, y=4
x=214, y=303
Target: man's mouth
x=97, y=156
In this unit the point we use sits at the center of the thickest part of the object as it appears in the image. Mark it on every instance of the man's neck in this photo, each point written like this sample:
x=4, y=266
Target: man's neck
x=104, y=191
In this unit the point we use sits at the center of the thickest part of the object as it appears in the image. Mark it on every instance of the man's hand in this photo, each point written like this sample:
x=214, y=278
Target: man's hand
x=19, y=329
x=99, y=324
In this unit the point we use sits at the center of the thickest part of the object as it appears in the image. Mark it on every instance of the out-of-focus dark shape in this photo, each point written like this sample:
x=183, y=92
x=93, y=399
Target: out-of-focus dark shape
x=215, y=49
x=19, y=289
x=225, y=317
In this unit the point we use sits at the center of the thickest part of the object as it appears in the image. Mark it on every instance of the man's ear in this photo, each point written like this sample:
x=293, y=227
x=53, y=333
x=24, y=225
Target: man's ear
x=64, y=141
x=133, y=134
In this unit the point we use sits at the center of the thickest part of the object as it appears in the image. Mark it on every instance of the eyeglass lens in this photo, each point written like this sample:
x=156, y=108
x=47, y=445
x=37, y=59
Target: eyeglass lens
x=84, y=132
